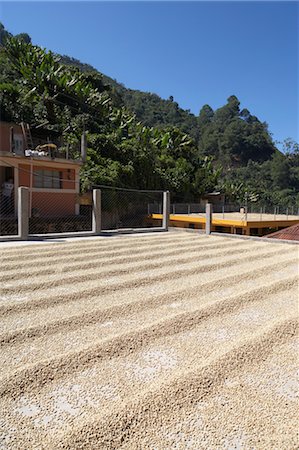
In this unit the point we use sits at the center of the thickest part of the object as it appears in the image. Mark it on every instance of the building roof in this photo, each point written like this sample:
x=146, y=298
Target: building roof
x=289, y=233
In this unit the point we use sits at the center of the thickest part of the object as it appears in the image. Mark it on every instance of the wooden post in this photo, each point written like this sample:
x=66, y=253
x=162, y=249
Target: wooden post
x=11, y=140
x=23, y=213
x=96, y=211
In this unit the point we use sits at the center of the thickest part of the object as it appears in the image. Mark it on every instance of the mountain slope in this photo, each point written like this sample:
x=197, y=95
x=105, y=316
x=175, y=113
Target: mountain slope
x=149, y=108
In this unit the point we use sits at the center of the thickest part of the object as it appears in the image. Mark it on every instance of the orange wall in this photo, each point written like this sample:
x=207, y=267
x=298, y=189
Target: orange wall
x=24, y=175
x=54, y=204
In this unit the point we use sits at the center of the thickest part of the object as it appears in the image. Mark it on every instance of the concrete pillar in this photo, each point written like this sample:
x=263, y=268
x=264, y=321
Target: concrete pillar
x=166, y=210
x=96, y=211
x=23, y=213
x=209, y=212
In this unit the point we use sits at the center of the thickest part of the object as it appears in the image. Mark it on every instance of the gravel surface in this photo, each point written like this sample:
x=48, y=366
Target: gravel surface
x=162, y=341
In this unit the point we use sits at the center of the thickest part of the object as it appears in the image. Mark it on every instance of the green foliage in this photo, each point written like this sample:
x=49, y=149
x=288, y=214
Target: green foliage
x=280, y=171
x=4, y=34
x=23, y=37
x=234, y=137
x=156, y=112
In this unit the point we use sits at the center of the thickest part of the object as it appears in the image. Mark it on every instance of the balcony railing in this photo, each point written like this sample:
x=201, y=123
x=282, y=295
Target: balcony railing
x=52, y=150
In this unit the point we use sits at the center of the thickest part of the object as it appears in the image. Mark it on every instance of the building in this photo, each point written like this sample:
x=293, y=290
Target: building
x=35, y=160
x=289, y=233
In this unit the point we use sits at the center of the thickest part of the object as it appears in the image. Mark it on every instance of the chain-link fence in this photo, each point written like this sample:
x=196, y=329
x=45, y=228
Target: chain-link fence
x=45, y=212
x=54, y=198
x=53, y=201
x=8, y=216
x=129, y=208
x=57, y=212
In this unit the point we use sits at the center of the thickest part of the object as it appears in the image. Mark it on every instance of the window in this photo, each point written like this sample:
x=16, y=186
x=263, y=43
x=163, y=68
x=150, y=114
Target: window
x=18, y=144
x=47, y=179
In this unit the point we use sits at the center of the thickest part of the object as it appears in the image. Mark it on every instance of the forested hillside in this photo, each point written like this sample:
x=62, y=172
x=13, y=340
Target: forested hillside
x=136, y=139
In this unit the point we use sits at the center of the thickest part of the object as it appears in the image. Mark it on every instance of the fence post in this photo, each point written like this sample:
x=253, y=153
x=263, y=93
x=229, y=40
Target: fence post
x=166, y=210
x=96, y=211
x=209, y=212
x=23, y=213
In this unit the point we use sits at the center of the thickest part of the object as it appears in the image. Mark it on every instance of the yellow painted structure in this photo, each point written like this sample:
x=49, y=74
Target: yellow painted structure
x=233, y=223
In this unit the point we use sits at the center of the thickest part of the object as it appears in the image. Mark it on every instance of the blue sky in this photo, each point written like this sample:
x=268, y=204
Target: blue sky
x=199, y=52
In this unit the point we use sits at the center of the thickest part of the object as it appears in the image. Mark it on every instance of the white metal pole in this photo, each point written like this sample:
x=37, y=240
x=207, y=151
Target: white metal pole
x=96, y=211
x=209, y=212
x=166, y=210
